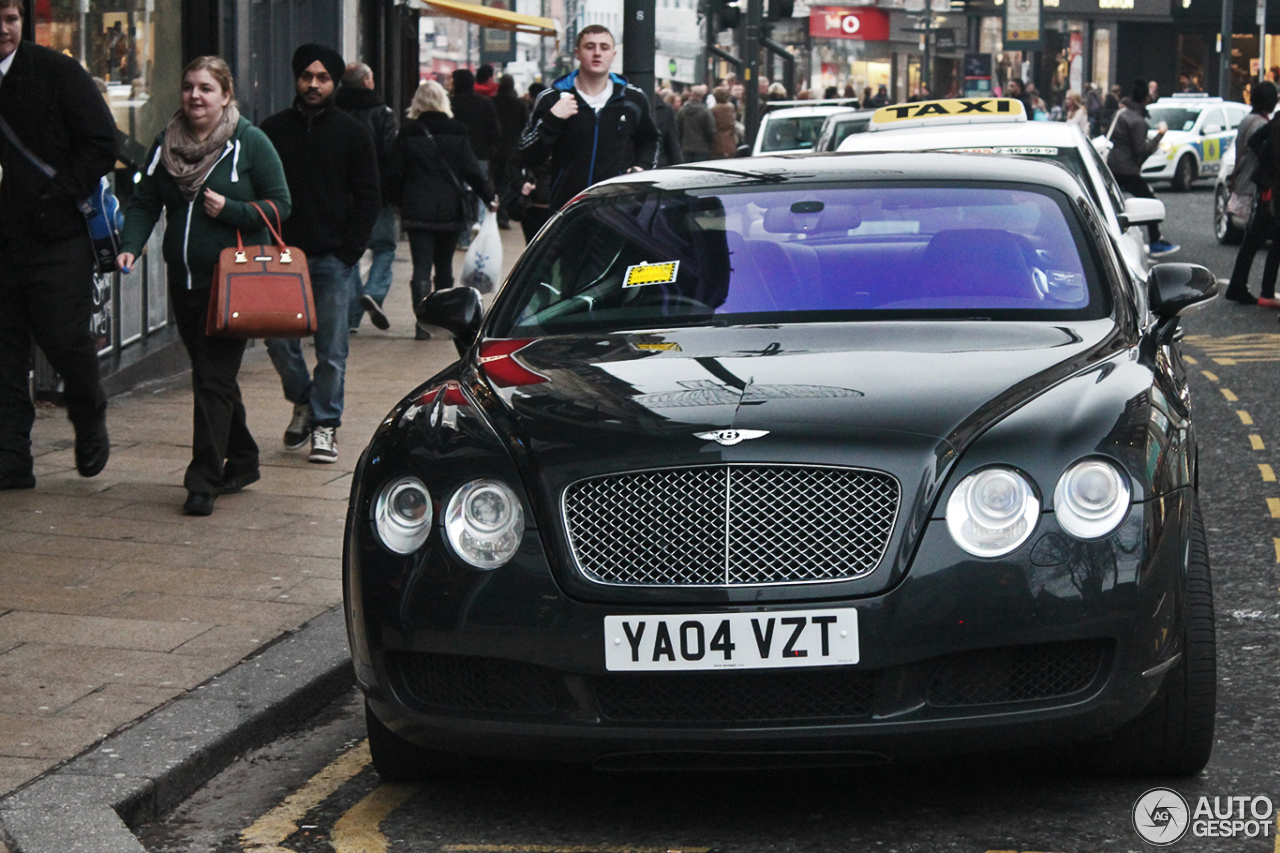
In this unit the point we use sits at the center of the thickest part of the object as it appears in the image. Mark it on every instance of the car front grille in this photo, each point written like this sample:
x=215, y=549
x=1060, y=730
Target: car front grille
x=730, y=525
x=1017, y=674
x=735, y=697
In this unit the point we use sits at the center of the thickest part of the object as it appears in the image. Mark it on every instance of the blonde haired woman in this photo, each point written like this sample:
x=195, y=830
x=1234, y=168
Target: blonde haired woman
x=431, y=164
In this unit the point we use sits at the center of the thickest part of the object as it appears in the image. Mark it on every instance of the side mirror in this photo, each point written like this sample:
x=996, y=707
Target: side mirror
x=1141, y=211
x=1210, y=130
x=1176, y=287
x=744, y=151
x=457, y=310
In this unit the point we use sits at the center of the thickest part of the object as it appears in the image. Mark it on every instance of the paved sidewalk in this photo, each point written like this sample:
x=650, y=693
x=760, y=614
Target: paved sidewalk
x=112, y=602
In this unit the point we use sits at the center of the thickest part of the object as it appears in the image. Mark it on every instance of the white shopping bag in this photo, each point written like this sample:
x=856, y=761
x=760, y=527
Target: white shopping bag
x=483, y=263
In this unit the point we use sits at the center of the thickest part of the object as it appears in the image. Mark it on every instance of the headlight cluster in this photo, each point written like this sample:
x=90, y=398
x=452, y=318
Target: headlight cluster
x=993, y=511
x=483, y=520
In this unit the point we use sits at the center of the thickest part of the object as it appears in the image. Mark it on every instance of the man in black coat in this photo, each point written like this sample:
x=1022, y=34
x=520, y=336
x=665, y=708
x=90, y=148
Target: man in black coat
x=481, y=117
x=332, y=170
x=592, y=123
x=47, y=264
x=361, y=101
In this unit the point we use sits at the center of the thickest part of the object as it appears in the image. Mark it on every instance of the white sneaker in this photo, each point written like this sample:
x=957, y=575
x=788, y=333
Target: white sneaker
x=324, y=444
x=299, y=428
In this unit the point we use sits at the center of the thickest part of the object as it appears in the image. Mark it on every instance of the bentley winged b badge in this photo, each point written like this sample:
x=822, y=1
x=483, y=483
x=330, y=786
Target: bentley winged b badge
x=730, y=436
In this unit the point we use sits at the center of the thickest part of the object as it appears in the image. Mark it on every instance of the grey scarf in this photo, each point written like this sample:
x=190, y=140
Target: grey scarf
x=189, y=159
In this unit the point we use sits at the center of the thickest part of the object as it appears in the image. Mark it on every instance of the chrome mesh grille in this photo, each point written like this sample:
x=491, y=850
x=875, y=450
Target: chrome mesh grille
x=730, y=525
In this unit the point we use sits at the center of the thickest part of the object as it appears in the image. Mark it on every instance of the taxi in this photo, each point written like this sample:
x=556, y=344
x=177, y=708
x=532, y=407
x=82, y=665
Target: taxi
x=999, y=126
x=1201, y=129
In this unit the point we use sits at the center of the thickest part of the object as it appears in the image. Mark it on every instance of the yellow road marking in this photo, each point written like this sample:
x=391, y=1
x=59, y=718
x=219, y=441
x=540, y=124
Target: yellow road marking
x=1268, y=476
x=269, y=831
x=1256, y=442
x=1238, y=348
x=1212, y=377
x=1189, y=360
x=564, y=848
x=358, y=831
x=1227, y=362
x=1277, y=544
x=1229, y=394
x=1274, y=505
x=1244, y=417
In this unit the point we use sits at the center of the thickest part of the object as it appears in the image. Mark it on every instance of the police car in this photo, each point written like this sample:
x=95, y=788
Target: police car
x=1201, y=129
x=795, y=129
x=999, y=126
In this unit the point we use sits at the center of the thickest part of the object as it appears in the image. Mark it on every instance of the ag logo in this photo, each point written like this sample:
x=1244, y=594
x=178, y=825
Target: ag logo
x=1161, y=816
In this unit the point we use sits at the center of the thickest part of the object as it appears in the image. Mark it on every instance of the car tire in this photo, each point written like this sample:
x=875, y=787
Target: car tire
x=1185, y=173
x=1223, y=228
x=1174, y=736
x=398, y=760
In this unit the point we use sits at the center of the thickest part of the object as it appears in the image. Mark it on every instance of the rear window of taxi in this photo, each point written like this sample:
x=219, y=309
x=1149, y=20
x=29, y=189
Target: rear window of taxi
x=793, y=254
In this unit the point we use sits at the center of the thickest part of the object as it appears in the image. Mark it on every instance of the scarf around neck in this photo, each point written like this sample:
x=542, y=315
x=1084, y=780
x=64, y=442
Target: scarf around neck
x=189, y=159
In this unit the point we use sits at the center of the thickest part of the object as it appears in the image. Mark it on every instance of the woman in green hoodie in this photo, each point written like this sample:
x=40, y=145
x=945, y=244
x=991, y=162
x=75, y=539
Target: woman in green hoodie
x=205, y=168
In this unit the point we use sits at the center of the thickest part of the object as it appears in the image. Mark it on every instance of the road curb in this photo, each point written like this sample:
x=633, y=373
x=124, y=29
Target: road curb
x=89, y=804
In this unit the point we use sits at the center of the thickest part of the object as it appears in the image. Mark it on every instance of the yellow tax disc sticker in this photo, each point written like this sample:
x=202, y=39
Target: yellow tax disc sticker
x=646, y=273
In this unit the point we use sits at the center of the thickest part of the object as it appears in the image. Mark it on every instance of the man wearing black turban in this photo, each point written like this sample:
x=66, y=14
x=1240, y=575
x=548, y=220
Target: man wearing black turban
x=332, y=170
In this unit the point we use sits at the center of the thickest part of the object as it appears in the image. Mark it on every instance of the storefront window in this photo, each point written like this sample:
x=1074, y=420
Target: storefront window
x=125, y=45
x=1102, y=58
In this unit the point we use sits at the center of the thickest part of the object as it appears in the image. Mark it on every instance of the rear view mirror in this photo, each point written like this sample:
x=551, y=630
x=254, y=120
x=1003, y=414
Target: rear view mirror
x=1141, y=211
x=1176, y=287
x=457, y=310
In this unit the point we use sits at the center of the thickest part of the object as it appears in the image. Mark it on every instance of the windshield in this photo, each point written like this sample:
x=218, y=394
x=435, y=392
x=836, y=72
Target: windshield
x=791, y=134
x=1177, y=118
x=787, y=254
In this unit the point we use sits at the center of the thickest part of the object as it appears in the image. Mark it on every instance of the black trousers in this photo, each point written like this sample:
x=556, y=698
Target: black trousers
x=46, y=296
x=1263, y=226
x=221, y=444
x=429, y=249
x=1134, y=185
x=534, y=218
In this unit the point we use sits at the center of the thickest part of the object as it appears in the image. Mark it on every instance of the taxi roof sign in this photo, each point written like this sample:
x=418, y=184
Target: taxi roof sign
x=948, y=111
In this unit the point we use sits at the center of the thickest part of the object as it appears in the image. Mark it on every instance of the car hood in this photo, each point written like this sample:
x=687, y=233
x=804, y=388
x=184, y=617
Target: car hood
x=900, y=397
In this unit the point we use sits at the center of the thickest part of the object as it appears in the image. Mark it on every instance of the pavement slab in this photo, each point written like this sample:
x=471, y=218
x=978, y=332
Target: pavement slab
x=141, y=649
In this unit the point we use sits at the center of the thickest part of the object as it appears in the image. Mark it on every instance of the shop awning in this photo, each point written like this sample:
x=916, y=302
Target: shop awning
x=488, y=16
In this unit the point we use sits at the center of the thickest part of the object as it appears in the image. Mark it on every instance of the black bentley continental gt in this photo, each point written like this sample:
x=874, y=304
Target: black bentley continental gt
x=801, y=460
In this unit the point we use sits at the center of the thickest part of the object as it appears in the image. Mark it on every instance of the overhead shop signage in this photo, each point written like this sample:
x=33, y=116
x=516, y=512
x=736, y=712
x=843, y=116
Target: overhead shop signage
x=864, y=23
x=1022, y=25
x=1118, y=8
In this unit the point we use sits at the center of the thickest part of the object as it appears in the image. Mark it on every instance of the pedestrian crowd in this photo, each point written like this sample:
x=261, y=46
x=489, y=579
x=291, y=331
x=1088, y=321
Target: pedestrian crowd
x=338, y=173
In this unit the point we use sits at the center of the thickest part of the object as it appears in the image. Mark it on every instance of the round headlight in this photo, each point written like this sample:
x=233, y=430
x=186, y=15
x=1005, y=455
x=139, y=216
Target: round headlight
x=1091, y=499
x=402, y=514
x=992, y=512
x=485, y=523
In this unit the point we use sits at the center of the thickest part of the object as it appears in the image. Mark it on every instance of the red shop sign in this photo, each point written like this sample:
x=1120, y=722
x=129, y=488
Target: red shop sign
x=865, y=23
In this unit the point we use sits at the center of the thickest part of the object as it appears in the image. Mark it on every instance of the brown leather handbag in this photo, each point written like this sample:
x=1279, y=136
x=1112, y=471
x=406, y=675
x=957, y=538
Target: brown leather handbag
x=261, y=291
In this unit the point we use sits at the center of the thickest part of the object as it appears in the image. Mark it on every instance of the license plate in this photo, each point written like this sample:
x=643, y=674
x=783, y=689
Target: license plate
x=791, y=638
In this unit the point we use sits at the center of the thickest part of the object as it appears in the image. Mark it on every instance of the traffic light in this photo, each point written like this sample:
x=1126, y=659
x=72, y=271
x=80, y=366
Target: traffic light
x=728, y=16
x=779, y=9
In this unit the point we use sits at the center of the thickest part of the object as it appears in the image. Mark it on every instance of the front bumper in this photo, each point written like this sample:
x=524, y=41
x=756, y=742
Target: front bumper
x=1046, y=646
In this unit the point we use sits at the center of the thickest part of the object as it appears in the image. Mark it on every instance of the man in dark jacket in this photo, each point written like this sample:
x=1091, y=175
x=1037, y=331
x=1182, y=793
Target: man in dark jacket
x=332, y=170
x=696, y=126
x=591, y=123
x=357, y=97
x=481, y=117
x=664, y=119
x=512, y=115
x=1130, y=148
x=46, y=260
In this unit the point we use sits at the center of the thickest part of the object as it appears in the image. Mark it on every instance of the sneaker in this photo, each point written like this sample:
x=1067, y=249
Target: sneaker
x=299, y=429
x=1160, y=248
x=374, y=310
x=1268, y=302
x=1244, y=298
x=324, y=444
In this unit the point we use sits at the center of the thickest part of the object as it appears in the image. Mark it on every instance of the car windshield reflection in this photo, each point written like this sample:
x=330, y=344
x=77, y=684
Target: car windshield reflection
x=656, y=258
